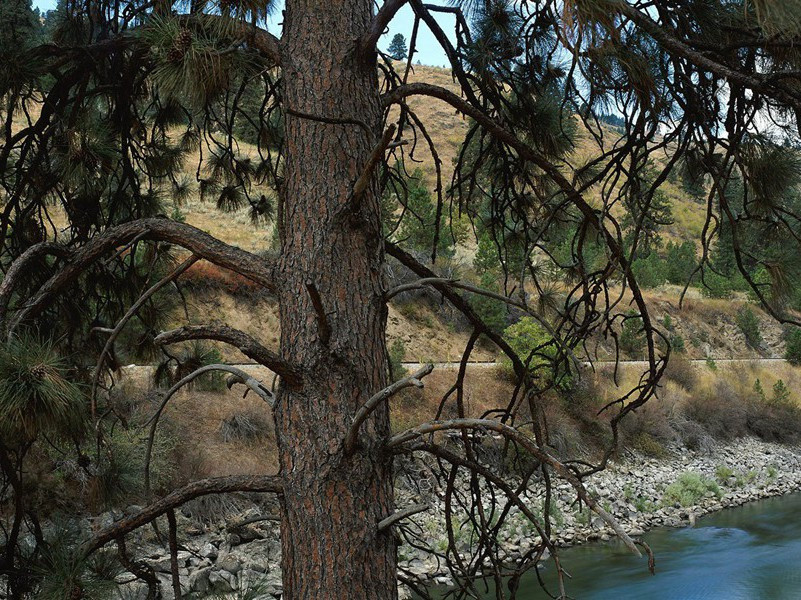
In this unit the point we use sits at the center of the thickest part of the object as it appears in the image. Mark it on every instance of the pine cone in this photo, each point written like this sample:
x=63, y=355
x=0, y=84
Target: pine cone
x=77, y=593
x=180, y=46
x=38, y=371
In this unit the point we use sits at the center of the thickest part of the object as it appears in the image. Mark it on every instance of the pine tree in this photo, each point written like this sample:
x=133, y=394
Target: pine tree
x=397, y=47
x=104, y=123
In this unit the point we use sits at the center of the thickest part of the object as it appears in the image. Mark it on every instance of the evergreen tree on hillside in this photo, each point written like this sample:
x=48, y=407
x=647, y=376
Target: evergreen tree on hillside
x=397, y=47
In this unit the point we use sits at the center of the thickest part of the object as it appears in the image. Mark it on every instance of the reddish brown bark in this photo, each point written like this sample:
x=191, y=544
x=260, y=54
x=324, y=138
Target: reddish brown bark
x=333, y=314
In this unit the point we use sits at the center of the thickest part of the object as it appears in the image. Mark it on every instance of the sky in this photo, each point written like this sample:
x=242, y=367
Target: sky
x=428, y=50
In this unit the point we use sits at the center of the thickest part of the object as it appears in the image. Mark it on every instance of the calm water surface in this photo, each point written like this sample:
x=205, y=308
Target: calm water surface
x=748, y=553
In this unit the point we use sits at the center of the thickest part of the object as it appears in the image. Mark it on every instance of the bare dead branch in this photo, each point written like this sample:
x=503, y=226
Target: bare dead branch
x=173, y=537
x=322, y=319
x=384, y=524
x=141, y=571
x=413, y=380
x=382, y=18
x=176, y=498
x=238, y=339
x=372, y=162
x=251, y=521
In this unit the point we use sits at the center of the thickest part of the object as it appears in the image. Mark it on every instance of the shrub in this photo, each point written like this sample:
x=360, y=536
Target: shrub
x=781, y=394
x=722, y=411
x=36, y=392
x=245, y=426
x=722, y=473
x=689, y=489
x=677, y=343
x=749, y=324
x=207, y=276
x=649, y=429
x=632, y=338
x=191, y=357
x=397, y=352
x=491, y=311
x=716, y=286
x=119, y=475
x=648, y=445
x=681, y=371
x=777, y=419
x=792, y=349
x=533, y=345
x=651, y=271
x=680, y=262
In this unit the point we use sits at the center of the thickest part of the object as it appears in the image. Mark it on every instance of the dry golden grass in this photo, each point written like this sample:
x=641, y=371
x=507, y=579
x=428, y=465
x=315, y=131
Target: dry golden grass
x=198, y=416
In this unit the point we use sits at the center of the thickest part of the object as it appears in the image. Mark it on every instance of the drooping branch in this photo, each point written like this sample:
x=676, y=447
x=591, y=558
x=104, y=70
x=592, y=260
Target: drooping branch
x=588, y=212
x=258, y=269
x=457, y=301
x=755, y=81
x=541, y=455
x=413, y=380
x=240, y=340
x=203, y=487
x=20, y=266
x=172, y=276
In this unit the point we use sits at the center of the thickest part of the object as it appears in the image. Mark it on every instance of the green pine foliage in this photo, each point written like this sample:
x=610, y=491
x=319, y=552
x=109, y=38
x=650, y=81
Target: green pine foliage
x=37, y=391
x=419, y=227
x=748, y=323
x=397, y=47
x=792, y=351
x=632, y=339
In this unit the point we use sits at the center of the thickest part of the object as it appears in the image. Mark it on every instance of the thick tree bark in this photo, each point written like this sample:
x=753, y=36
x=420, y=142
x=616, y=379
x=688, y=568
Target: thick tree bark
x=333, y=314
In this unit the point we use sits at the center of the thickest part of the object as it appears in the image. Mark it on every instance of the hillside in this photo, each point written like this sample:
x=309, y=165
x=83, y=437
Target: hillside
x=447, y=130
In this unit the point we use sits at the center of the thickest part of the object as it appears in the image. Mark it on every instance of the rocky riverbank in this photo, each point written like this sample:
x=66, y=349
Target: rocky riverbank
x=640, y=492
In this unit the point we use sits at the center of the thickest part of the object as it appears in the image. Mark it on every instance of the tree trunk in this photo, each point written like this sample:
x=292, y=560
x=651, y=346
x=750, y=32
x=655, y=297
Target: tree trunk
x=333, y=315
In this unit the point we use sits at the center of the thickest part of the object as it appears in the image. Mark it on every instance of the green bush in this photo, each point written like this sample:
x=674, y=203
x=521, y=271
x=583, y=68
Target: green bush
x=792, y=348
x=491, y=311
x=749, y=324
x=680, y=262
x=677, y=343
x=533, y=345
x=650, y=272
x=632, y=338
x=781, y=394
x=716, y=286
x=722, y=474
x=689, y=489
x=36, y=392
x=397, y=352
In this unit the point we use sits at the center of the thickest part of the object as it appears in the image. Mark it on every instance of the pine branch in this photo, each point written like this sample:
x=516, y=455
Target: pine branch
x=255, y=268
x=240, y=340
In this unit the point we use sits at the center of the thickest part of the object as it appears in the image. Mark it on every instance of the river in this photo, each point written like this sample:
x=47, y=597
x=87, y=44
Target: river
x=752, y=552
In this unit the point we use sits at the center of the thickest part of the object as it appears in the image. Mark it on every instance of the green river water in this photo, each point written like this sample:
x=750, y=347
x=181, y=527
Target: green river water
x=752, y=552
